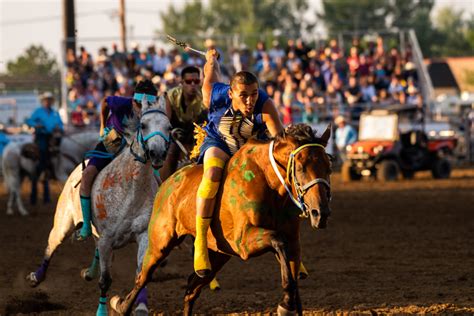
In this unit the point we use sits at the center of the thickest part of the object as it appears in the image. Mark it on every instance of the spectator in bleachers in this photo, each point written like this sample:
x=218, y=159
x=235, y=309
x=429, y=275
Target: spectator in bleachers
x=306, y=82
x=345, y=135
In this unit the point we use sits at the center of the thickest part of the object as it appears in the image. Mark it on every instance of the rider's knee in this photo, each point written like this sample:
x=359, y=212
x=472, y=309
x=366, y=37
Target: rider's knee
x=213, y=168
x=88, y=175
x=208, y=188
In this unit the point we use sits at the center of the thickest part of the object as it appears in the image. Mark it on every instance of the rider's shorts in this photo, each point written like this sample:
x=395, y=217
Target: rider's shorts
x=100, y=163
x=209, y=142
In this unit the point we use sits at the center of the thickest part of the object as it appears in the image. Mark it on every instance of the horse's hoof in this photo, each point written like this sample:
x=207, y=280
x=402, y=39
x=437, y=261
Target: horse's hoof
x=115, y=302
x=141, y=310
x=85, y=275
x=281, y=311
x=32, y=279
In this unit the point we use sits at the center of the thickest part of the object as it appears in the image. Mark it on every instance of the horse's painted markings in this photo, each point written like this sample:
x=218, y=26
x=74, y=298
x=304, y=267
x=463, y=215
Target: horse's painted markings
x=243, y=165
x=178, y=177
x=233, y=201
x=234, y=164
x=111, y=180
x=162, y=195
x=233, y=184
x=132, y=173
x=249, y=175
x=100, y=207
x=252, y=150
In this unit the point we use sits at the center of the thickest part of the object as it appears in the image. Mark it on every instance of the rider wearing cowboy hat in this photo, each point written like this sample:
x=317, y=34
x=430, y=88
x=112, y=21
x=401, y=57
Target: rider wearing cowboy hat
x=47, y=123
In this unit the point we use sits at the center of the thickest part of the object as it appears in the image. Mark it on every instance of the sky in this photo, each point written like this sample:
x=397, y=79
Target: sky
x=26, y=22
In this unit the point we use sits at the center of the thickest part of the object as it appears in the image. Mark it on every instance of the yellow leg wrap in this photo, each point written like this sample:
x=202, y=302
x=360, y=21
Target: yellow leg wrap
x=303, y=274
x=207, y=189
x=213, y=162
x=201, y=255
x=214, y=285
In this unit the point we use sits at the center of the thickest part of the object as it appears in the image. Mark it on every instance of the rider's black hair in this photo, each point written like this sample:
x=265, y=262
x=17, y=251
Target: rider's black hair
x=147, y=87
x=190, y=70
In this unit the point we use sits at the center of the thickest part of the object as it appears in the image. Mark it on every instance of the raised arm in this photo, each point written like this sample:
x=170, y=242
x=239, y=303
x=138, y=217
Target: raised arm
x=211, y=74
x=272, y=118
x=104, y=114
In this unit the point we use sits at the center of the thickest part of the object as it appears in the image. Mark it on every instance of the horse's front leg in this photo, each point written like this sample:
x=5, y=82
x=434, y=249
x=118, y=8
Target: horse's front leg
x=105, y=280
x=142, y=297
x=288, y=305
x=294, y=253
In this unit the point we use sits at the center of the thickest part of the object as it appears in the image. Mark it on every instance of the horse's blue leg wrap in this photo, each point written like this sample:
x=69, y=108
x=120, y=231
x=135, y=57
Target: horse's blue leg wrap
x=93, y=270
x=86, y=229
x=142, y=296
x=41, y=272
x=102, y=309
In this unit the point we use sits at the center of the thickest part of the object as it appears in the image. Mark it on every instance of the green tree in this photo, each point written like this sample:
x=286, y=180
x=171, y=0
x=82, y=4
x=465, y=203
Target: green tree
x=364, y=15
x=35, y=61
x=455, y=35
x=251, y=19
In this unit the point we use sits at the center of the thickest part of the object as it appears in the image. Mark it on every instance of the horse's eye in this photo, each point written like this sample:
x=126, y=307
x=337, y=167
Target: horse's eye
x=142, y=126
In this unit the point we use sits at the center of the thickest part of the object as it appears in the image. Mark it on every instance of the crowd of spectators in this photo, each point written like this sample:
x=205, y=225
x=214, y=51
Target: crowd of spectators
x=307, y=84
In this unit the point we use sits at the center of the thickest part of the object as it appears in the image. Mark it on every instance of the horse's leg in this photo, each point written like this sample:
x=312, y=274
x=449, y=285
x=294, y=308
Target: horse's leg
x=11, y=198
x=294, y=252
x=63, y=226
x=151, y=260
x=19, y=201
x=105, y=259
x=34, y=190
x=142, y=298
x=46, y=195
x=288, y=304
x=93, y=270
x=196, y=283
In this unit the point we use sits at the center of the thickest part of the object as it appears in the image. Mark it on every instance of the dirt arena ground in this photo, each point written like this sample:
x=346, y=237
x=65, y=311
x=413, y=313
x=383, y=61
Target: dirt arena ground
x=403, y=248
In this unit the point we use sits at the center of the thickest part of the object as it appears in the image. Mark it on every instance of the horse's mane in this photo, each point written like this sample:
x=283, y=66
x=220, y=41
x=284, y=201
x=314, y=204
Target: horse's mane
x=302, y=133
x=130, y=128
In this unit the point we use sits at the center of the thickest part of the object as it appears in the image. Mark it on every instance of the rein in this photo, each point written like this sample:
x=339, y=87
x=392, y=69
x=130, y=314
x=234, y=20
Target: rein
x=291, y=173
x=142, y=140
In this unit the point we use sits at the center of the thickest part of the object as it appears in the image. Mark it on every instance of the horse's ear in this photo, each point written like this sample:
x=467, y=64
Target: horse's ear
x=145, y=104
x=161, y=103
x=326, y=135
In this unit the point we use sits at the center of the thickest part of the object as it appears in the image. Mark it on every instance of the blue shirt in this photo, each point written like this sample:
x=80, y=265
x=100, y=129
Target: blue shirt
x=3, y=142
x=345, y=136
x=220, y=103
x=49, y=119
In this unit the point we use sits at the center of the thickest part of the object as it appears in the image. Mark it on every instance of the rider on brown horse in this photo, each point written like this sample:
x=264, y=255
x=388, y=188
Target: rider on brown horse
x=236, y=112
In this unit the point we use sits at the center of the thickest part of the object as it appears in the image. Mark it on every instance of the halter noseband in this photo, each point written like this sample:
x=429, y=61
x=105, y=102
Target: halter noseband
x=291, y=173
x=143, y=139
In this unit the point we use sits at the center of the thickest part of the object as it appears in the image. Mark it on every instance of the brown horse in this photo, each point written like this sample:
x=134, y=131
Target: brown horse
x=256, y=211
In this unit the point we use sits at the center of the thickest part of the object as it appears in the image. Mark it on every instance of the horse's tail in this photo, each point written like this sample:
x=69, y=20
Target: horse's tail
x=199, y=135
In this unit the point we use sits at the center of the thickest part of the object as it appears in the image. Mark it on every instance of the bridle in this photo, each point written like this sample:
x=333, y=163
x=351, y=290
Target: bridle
x=142, y=140
x=292, y=180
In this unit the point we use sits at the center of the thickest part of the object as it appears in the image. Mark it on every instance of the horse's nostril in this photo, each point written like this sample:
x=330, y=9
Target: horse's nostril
x=152, y=153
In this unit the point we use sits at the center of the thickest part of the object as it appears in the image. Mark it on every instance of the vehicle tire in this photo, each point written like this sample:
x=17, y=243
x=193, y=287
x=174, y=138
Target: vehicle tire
x=408, y=174
x=441, y=169
x=388, y=170
x=348, y=173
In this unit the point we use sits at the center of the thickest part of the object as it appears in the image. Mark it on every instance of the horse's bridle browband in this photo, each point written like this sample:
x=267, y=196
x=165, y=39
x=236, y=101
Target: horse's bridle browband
x=290, y=173
x=143, y=139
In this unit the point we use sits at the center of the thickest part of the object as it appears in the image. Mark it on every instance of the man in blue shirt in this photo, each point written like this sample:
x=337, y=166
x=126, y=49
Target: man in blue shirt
x=48, y=129
x=345, y=135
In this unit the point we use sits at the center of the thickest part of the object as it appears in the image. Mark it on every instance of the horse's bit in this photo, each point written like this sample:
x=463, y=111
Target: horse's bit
x=291, y=173
x=143, y=139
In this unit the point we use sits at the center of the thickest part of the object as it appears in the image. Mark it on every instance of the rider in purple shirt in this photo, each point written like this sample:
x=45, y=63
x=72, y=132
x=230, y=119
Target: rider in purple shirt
x=114, y=113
